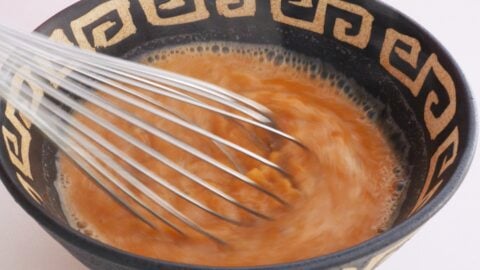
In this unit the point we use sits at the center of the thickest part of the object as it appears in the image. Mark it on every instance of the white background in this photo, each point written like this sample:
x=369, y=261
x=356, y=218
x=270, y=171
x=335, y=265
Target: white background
x=449, y=241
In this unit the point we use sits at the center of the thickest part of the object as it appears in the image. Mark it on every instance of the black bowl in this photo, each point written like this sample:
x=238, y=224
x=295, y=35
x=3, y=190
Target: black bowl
x=396, y=61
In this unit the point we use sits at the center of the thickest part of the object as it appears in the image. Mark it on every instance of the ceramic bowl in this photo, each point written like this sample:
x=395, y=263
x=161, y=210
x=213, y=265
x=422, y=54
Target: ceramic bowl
x=394, y=59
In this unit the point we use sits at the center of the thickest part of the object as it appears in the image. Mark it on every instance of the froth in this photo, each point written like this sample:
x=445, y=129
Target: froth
x=62, y=184
x=315, y=69
x=280, y=57
x=374, y=111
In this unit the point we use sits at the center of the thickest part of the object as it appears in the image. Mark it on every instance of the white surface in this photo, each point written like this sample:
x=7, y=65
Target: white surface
x=449, y=241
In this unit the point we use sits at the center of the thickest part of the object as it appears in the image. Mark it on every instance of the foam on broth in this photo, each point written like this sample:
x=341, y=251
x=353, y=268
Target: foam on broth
x=346, y=189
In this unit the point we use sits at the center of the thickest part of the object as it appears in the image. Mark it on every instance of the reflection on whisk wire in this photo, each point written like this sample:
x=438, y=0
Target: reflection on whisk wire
x=76, y=72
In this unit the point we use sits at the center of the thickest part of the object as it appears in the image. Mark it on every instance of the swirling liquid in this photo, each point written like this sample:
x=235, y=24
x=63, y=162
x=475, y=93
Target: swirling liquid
x=343, y=190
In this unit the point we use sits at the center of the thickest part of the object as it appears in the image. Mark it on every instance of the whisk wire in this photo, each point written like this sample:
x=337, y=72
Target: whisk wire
x=93, y=155
x=147, y=75
x=76, y=72
x=79, y=108
x=102, y=103
x=170, y=117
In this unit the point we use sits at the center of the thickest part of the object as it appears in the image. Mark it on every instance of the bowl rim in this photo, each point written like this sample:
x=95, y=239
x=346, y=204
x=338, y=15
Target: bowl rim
x=339, y=258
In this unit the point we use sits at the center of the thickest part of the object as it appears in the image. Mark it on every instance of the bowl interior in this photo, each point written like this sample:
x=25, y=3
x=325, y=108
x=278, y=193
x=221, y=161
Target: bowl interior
x=423, y=96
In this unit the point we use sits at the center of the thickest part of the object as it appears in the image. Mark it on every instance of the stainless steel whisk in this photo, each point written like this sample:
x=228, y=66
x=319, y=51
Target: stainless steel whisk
x=52, y=66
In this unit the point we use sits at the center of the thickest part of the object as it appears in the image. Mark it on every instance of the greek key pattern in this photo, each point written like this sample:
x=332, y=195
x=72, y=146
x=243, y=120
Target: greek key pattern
x=100, y=40
x=434, y=124
x=317, y=25
x=199, y=12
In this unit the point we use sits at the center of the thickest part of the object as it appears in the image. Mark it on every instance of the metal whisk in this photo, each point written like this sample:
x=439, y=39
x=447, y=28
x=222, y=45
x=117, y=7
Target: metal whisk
x=54, y=66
